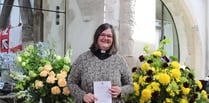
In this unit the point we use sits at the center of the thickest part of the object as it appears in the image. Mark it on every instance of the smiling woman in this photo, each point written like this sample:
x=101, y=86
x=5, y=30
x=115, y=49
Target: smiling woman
x=100, y=63
x=105, y=39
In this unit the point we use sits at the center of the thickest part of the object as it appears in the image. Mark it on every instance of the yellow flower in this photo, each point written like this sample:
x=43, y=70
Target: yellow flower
x=141, y=80
x=164, y=78
x=63, y=74
x=204, y=94
x=62, y=82
x=65, y=91
x=43, y=73
x=176, y=73
x=38, y=79
x=155, y=86
x=157, y=54
x=168, y=100
x=175, y=65
x=146, y=94
x=183, y=100
x=55, y=90
x=199, y=84
x=38, y=84
x=51, y=73
x=145, y=66
x=47, y=67
x=136, y=88
x=50, y=79
x=60, y=76
x=134, y=75
x=185, y=90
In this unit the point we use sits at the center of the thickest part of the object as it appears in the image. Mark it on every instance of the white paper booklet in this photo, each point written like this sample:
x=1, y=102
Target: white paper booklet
x=101, y=91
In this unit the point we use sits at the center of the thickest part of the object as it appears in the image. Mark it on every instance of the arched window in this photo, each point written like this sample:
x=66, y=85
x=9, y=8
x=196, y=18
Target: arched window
x=166, y=28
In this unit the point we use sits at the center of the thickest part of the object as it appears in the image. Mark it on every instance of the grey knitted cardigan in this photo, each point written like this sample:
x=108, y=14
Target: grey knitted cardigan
x=88, y=68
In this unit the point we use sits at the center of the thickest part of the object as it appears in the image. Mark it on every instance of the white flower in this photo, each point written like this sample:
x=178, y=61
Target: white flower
x=19, y=59
x=23, y=64
x=58, y=57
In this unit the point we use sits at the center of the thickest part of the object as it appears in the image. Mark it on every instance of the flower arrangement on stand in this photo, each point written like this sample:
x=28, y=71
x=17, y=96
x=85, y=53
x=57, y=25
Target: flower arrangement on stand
x=161, y=79
x=43, y=75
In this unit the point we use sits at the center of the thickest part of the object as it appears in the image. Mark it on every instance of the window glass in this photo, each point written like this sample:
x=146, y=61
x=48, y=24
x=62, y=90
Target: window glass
x=166, y=28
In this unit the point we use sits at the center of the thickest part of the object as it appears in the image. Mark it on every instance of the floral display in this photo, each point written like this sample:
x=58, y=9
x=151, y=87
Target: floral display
x=161, y=79
x=43, y=75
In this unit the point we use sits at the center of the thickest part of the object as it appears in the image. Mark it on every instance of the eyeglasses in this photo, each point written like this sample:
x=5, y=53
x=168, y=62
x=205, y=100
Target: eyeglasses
x=106, y=35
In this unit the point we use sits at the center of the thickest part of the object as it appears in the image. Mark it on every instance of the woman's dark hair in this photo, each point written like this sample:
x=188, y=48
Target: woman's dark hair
x=94, y=46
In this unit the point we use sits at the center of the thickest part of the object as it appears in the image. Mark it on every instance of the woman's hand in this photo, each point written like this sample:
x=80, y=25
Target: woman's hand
x=115, y=91
x=89, y=98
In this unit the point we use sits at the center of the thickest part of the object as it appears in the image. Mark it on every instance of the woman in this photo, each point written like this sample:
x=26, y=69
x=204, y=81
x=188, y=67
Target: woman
x=100, y=63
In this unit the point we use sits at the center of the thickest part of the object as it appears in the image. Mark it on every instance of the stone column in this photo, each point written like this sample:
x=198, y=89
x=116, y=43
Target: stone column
x=126, y=30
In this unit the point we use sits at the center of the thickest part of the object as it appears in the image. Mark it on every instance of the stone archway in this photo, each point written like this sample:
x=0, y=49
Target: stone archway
x=189, y=37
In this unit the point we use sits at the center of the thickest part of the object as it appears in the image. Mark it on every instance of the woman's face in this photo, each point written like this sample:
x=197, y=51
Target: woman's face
x=105, y=39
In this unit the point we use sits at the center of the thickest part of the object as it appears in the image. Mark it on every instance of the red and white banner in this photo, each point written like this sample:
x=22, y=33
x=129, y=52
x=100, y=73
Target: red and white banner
x=4, y=39
x=15, y=43
x=11, y=39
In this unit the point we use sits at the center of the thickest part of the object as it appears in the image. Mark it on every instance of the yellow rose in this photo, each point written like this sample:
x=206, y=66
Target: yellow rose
x=66, y=91
x=47, y=67
x=51, y=73
x=50, y=79
x=43, y=73
x=62, y=82
x=62, y=75
x=38, y=84
x=55, y=90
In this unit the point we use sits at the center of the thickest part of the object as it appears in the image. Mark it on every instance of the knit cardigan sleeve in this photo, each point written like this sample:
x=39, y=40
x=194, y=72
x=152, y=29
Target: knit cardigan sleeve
x=126, y=79
x=74, y=79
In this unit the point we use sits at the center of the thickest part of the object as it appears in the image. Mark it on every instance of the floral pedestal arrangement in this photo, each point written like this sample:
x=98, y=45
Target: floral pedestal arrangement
x=161, y=79
x=43, y=75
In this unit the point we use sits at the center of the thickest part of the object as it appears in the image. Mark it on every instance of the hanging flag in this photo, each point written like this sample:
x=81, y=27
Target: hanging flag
x=4, y=39
x=15, y=43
